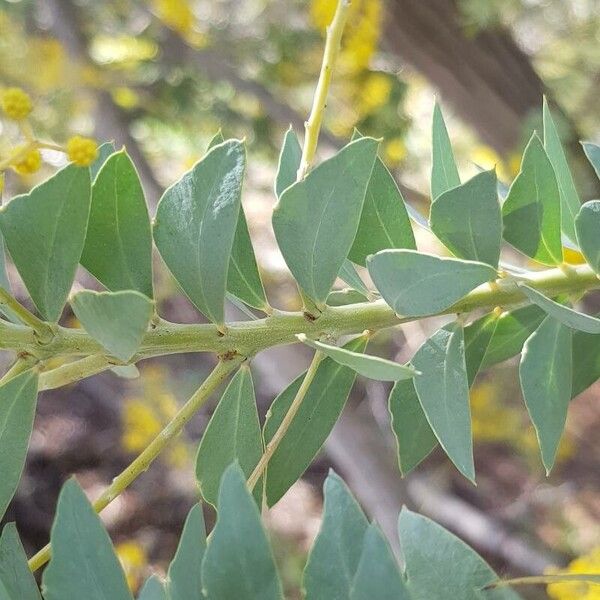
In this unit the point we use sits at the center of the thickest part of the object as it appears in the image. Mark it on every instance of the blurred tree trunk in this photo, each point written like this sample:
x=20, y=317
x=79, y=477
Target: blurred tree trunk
x=485, y=77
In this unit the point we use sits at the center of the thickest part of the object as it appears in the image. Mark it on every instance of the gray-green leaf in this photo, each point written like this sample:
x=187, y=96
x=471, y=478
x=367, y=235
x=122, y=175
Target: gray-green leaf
x=349, y=275
x=377, y=575
x=439, y=565
x=316, y=219
x=468, y=221
x=565, y=315
x=372, y=367
x=569, y=198
x=587, y=224
x=443, y=391
x=318, y=413
x=184, y=581
x=545, y=373
x=238, y=562
x=414, y=438
x=18, y=398
x=444, y=174
x=335, y=555
x=118, y=320
x=532, y=211
x=153, y=589
x=478, y=338
x=118, y=244
x=233, y=434
x=592, y=151
x=384, y=222
x=83, y=563
x=195, y=226
x=104, y=151
x=14, y=570
x=45, y=232
x=289, y=162
x=416, y=284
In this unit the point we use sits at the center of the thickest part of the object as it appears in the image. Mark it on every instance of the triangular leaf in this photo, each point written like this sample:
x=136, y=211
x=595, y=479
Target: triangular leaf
x=444, y=174
x=118, y=244
x=118, y=320
x=14, y=570
x=18, y=398
x=318, y=413
x=289, y=162
x=531, y=212
x=416, y=284
x=233, y=434
x=104, y=151
x=335, y=554
x=586, y=361
x=45, y=232
x=565, y=315
x=478, y=339
x=377, y=575
x=83, y=563
x=184, y=581
x=153, y=589
x=588, y=233
x=569, y=198
x=439, y=565
x=468, y=221
x=238, y=562
x=384, y=222
x=316, y=219
x=592, y=151
x=195, y=226
x=372, y=367
x=545, y=374
x=414, y=438
x=443, y=391
x=349, y=275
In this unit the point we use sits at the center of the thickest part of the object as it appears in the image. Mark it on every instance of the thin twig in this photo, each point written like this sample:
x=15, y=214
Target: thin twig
x=122, y=481
x=43, y=330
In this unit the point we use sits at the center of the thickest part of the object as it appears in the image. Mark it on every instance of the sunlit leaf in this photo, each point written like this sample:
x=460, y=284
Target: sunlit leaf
x=153, y=589
x=587, y=223
x=289, y=162
x=592, y=151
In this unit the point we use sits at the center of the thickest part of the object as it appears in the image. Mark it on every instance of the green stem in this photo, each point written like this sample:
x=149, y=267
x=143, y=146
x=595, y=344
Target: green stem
x=286, y=422
x=19, y=366
x=249, y=337
x=122, y=481
x=332, y=47
x=43, y=330
x=74, y=371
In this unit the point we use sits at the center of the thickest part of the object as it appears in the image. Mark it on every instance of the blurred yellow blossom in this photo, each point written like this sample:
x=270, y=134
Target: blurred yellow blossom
x=588, y=564
x=16, y=103
x=133, y=559
x=82, y=151
x=28, y=163
x=177, y=14
x=376, y=90
x=573, y=257
x=394, y=150
x=145, y=416
x=125, y=97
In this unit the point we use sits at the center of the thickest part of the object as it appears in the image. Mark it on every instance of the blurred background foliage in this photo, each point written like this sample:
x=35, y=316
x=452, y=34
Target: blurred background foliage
x=161, y=77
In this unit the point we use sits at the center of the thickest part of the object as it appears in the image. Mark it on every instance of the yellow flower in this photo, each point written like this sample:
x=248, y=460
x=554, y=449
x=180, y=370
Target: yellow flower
x=28, y=163
x=588, y=564
x=82, y=151
x=394, y=150
x=140, y=423
x=375, y=92
x=176, y=14
x=16, y=103
x=133, y=559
